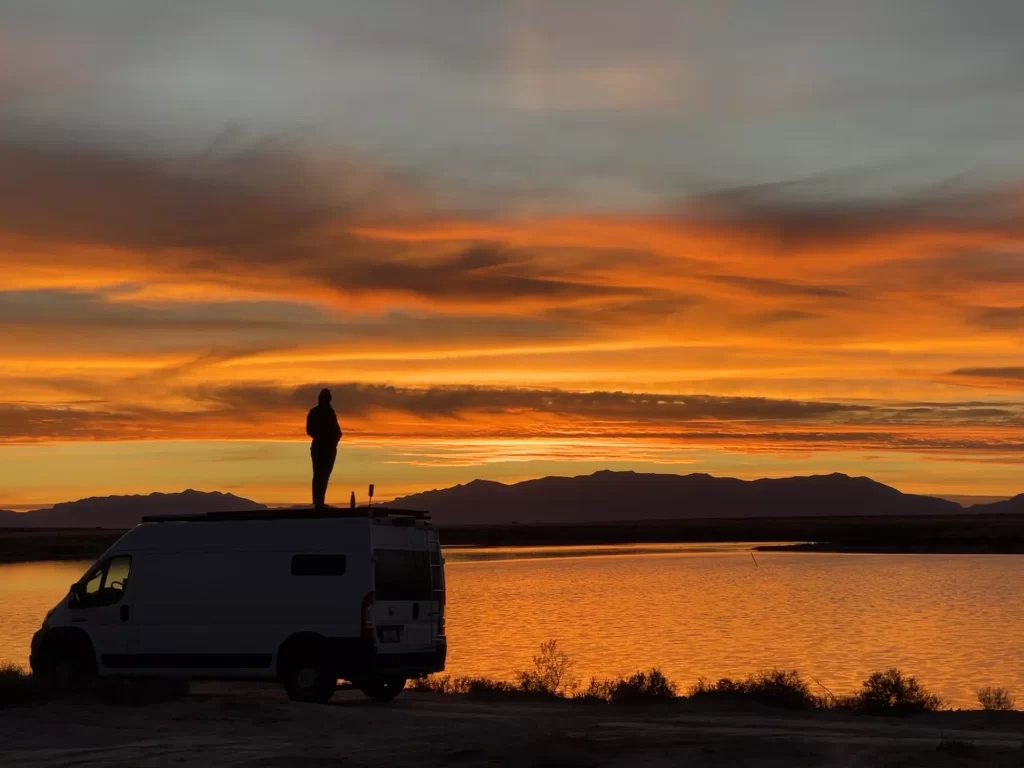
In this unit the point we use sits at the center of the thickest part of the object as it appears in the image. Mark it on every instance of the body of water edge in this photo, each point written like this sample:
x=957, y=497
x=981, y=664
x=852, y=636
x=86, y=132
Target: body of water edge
x=954, y=621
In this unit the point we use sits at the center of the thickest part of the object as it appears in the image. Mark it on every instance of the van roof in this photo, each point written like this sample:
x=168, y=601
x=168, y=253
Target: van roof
x=291, y=514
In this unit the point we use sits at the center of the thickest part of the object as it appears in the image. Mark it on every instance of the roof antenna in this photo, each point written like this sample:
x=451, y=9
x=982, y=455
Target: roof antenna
x=371, y=494
x=352, y=501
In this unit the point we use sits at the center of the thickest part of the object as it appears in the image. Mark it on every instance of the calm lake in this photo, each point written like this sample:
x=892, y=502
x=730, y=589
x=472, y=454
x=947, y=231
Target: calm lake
x=955, y=621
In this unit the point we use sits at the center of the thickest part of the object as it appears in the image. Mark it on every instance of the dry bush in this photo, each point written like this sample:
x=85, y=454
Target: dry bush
x=443, y=684
x=893, y=693
x=551, y=673
x=776, y=688
x=638, y=689
x=996, y=699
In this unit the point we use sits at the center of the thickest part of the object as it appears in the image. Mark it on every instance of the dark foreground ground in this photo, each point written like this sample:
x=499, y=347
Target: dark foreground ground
x=967, y=533
x=255, y=726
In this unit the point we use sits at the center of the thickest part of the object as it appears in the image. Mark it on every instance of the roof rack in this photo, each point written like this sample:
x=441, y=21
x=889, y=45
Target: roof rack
x=290, y=514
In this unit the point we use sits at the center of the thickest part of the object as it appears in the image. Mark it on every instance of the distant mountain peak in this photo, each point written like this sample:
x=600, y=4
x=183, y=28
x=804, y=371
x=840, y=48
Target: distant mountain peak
x=623, y=496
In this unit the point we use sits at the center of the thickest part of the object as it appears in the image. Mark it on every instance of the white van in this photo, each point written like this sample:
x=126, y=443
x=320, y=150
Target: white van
x=307, y=597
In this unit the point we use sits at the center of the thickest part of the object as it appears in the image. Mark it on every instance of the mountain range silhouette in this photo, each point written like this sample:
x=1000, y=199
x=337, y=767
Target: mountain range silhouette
x=124, y=511
x=602, y=497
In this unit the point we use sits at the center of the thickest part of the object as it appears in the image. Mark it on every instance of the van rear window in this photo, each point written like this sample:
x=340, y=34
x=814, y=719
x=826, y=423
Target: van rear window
x=402, y=574
x=318, y=565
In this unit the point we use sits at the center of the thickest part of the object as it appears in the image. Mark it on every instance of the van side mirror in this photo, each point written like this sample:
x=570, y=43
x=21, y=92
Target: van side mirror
x=76, y=594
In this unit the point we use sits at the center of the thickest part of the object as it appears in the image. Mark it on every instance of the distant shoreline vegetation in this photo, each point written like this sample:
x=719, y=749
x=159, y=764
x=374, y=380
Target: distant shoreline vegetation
x=888, y=692
x=943, y=534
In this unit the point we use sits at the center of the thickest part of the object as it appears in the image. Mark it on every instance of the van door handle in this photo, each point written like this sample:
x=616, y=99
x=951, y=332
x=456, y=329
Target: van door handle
x=125, y=613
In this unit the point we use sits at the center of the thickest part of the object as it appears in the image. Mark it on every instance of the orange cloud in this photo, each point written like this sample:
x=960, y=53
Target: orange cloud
x=193, y=300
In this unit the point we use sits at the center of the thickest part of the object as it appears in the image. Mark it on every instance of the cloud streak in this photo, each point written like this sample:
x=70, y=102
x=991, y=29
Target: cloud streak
x=591, y=421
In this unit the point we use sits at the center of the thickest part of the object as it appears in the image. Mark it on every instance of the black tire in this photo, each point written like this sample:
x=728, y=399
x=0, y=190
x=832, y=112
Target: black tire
x=383, y=688
x=62, y=666
x=308, y=678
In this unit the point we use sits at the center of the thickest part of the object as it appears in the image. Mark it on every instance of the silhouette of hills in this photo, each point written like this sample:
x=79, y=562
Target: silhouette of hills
x=124, y=511
x=608, y=496
x=1014, y=506
x=603, y=497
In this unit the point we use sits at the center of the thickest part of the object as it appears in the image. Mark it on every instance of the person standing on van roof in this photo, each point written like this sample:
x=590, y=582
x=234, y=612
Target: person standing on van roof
x=322, y=426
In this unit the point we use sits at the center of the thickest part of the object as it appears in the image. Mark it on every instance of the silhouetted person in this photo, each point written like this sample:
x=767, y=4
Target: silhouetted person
x=322, y=426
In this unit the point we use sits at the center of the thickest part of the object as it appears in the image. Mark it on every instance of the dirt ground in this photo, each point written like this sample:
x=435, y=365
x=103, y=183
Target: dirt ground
x=256, y=726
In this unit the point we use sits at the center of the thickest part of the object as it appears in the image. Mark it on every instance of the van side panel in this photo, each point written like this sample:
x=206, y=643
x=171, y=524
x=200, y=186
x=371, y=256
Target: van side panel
x=219, y=599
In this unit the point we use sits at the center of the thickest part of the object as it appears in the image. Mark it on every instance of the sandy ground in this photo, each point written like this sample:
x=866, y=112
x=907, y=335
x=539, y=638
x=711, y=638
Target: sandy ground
x=245, y=725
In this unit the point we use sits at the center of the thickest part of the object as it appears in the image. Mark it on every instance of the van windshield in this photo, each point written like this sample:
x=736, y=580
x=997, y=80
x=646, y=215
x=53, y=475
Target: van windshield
x=402, y=574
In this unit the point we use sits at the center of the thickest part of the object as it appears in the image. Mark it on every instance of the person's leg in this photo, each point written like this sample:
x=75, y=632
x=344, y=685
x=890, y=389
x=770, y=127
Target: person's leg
x=319, y=486
x=325, y=469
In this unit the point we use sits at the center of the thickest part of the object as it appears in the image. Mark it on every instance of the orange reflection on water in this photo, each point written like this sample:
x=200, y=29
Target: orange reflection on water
x=694, y=610
x=954, y=621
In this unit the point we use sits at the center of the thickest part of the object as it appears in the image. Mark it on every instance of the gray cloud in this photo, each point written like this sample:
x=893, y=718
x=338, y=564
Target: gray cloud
x=1011, y=376
x=767, y=287
x=1001, y=318
x=250, y=216
x=816, y=213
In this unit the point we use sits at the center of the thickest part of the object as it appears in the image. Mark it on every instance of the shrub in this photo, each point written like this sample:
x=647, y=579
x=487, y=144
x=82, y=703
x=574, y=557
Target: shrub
x=447, y=685
x=996, y=699
x=597, y=691
x=847, y=703
x=443, y=684
x=484, y=686
x=644, y=688
x=774, y=688
x=15, y=685
x=640, y=688
x=551, y=672
x=892, y=693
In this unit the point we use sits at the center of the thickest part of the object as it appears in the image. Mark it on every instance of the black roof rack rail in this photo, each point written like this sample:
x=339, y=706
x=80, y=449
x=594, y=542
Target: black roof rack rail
x=290, y=514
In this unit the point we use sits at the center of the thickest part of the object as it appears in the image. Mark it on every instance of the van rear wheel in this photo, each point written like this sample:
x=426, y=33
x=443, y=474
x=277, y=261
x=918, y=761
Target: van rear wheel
x=383, y=688
x=310, y=680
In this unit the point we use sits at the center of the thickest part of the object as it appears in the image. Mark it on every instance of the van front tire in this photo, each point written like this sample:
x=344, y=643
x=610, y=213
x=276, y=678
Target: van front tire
x=383, y=688
x=64, y=664
x=309, y=680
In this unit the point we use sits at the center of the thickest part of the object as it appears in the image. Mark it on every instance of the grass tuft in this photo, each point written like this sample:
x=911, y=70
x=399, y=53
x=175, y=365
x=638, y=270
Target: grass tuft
x=16, y=685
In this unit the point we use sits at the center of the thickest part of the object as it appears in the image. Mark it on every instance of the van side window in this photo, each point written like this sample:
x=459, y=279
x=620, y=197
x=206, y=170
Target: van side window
x=402, y=574
x=105, y=584
x=318, y=565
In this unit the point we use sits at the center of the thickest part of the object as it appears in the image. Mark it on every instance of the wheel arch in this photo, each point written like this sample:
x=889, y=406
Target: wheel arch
x=297, y=645
x=66, y=637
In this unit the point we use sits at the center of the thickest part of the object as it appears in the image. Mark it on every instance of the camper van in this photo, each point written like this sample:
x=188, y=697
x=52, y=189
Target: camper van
x=306, y=597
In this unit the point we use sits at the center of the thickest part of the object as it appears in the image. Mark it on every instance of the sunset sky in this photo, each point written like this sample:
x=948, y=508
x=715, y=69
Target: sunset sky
x=515, y=238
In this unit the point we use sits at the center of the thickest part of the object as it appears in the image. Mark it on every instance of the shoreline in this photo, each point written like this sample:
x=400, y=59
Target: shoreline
x=948, y=534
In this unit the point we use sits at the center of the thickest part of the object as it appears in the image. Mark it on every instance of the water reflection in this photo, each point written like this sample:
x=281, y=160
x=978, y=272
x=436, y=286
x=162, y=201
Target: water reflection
x=955, y=621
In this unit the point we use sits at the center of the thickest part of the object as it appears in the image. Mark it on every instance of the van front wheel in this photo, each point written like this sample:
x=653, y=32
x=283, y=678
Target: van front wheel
x=383, y=688
x=309, y=680
x=63, y=665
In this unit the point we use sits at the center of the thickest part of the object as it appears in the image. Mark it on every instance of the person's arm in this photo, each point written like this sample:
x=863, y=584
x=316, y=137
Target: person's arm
x=337, y=427
x=309, y=425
